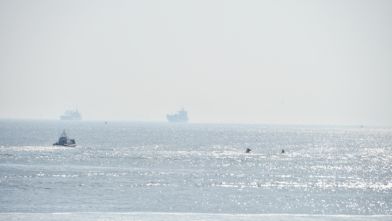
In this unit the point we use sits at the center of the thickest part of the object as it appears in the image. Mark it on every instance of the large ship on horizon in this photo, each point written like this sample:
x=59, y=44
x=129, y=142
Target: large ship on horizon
x=181, y=116
x=71, y=115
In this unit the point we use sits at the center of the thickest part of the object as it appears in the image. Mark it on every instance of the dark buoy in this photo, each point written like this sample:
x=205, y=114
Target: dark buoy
x=282, y=151
x=248, y=150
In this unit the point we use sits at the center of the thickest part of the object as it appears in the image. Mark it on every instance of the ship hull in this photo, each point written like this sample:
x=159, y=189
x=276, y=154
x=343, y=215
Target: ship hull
x=70, y=118
x=176, y=119
x=65, y=145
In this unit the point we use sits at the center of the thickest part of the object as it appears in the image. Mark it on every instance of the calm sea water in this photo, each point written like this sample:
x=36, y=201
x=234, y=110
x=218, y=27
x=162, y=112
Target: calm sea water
x=125, y=170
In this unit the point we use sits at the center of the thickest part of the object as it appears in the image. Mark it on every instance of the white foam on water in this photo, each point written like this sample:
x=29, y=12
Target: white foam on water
x=36, y=148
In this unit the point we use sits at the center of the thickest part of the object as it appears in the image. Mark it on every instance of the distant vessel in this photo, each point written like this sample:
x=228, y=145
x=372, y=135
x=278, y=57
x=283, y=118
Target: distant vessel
x=181, y=116
x=71, y=115
x=65, y=141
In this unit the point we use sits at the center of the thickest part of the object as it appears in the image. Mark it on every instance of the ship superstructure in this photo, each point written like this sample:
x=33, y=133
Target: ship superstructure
x=71, y=115
x=181, y=116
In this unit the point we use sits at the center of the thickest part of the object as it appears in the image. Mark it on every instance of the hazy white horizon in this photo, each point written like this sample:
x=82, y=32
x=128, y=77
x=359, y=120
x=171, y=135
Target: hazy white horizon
x=269, y=62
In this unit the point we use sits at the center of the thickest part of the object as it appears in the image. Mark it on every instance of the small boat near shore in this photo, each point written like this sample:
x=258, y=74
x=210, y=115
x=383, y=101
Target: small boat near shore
x=65, y=141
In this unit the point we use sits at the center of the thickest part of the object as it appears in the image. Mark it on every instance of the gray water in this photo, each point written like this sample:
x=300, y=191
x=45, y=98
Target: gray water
x=135, y=170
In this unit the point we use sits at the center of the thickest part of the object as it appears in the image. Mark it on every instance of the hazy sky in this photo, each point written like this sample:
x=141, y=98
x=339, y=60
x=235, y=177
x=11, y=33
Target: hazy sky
x=272, y=62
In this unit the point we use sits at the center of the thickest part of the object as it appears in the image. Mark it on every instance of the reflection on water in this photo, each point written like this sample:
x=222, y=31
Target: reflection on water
x=195, y=168
x=187, y=216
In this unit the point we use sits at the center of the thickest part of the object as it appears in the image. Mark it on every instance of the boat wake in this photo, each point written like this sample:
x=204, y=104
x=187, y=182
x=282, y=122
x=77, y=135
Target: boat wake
x=34, y=148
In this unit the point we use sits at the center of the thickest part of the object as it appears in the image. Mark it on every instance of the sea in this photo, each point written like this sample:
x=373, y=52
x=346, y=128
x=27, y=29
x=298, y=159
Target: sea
x=189, y=171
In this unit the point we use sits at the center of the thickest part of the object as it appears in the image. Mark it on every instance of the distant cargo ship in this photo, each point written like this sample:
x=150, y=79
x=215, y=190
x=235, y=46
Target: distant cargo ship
x=71, y=115
x=181, y=116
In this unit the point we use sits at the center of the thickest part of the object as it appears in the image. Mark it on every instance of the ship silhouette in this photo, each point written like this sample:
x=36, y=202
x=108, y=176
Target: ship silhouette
x=181, y=116
x=71, y=115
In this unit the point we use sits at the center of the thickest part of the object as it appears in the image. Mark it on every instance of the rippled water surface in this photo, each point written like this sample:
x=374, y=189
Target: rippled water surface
x=123, y=167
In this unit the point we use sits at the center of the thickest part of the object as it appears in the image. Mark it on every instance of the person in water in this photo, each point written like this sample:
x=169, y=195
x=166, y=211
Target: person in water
x=282, y=151
x=248, y=150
